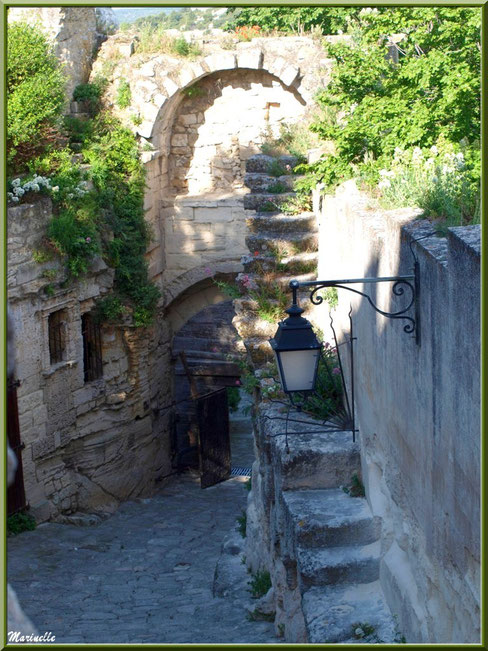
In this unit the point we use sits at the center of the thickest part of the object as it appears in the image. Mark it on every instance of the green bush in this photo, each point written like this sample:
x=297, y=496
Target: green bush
x=233, y=398
x=124, y=94
x=259, y=584
x=19, y=522
x=91, y=93
x=75, y=238
x=185, y=49
x=35, y=94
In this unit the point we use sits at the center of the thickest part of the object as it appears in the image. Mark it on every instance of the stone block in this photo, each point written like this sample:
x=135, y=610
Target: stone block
x=251, y=58
x=212, y=215
x=221, y=61
x=170, y=86
x=145, y=129
x=40, y=415
x=179, y=140
x=289, y=75
x=30, y=401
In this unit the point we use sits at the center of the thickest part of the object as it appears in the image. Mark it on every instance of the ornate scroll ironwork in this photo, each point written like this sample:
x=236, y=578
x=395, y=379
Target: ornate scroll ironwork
x=402, y=286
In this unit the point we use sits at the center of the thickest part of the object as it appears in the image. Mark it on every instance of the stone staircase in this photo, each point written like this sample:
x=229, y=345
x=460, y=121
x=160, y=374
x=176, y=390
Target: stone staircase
x=321, y=546
x=326, y=565
x=281, y=247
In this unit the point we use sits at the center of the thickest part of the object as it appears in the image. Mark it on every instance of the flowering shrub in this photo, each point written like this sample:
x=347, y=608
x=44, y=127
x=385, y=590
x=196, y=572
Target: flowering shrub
x=43, y=184
x=440, y=180
x=247, y=32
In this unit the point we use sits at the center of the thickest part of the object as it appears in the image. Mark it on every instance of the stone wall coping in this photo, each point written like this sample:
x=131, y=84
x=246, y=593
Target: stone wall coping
x=213, y=200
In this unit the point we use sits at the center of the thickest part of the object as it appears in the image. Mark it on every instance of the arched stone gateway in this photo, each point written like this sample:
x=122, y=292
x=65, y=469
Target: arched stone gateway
x=201, y=120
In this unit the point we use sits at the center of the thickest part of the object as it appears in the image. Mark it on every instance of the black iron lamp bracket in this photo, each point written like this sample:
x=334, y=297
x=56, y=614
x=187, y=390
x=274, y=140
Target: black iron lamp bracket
x=408, y=286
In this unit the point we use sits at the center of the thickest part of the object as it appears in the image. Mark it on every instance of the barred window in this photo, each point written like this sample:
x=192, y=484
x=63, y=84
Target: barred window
x=57, y=336
x=92, y=348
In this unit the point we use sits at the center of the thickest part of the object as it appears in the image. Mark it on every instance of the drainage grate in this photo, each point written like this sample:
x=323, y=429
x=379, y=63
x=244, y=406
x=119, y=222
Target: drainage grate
x=239, y=471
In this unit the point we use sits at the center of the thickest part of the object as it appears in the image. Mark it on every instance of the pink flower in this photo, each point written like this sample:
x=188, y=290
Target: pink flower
x=336, y=370
x=215, y=349
x=238, y=382
x=87, y=239
x=208, y=271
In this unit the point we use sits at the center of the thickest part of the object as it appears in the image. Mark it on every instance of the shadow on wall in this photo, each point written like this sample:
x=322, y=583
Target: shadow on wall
x=417, y=408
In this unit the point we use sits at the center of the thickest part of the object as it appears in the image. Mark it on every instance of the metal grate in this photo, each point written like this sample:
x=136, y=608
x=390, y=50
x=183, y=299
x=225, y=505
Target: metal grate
x=92, y=348
x=239, y=471
x=57, y=336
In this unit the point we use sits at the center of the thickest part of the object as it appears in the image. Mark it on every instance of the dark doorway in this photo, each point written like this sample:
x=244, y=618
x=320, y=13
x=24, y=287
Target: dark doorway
x=15, y=492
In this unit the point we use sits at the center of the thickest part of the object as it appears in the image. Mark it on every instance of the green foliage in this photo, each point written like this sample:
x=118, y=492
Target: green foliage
x=19, y=522
x=119, y=180
x=374, y=104
x=35, y=94
x=442, y=182
x=259, y=584
x=109, y=309
x=241, y=524
x=90, y=93
x=276, y=168
x=77, y=130
x=356, y=488
x=193, y=91
x=277, y=188
x=74, y=237
x=124, y=95
x=185, y=49
x=291, y=19
x=327, y=400
x=233, y=398
x=229, y=289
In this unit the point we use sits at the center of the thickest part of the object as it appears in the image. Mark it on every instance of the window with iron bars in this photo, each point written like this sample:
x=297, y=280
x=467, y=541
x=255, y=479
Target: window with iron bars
x=92, y=348
x=57, y=336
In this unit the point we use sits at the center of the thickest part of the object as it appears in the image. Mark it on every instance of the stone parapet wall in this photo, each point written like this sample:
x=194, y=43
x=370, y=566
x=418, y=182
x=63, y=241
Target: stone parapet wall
x=88, y=445
x=417, y=407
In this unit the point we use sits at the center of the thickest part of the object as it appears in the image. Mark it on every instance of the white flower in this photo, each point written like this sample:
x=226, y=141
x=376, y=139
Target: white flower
x=15, y=199
x=384, y=184
x=446, y=169
x=70, y=195
x=387, y=173
x=10, y=196
x=35, y=187
x=434, y=150
x=19, y=191
x=56, y=188
x=16, y=182
x=417, y=155
x=429, y=163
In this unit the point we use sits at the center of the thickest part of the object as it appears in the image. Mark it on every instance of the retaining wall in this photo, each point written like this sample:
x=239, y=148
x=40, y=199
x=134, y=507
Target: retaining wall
x=417, y=407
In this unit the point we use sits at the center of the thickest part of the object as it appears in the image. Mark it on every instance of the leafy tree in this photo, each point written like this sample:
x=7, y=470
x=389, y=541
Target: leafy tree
x=292, y=19
x=376, y=103
x=35, y=93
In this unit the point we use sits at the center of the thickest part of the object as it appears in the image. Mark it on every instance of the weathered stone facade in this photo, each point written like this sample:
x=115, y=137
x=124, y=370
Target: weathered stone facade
x=88, y=445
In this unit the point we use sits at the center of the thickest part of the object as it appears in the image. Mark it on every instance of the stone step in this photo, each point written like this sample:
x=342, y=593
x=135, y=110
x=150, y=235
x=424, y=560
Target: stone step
x=259, y=182
x=264, y=200
x=329, y=518
x=333, y=565
x=209, y=367
x=289, y=242
x=259, y=350
x=245, y=306
x=314, y=458
x=262, y=162
x=279, y=223
x=300, y=263
x=225, y=344
x=332, y=614
x=253, y=326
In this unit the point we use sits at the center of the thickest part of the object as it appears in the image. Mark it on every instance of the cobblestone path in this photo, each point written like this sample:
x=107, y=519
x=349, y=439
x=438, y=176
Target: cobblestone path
x=143, y=575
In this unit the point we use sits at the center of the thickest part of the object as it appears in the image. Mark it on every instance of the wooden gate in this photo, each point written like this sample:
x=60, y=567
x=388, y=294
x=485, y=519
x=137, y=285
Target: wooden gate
x=214, y=448
x=15, y=493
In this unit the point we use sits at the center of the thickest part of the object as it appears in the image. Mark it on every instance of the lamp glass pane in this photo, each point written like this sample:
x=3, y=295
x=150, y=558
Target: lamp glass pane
x=298, y=368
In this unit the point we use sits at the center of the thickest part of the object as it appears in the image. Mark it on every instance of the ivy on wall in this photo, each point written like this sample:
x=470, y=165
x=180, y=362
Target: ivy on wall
x=96, y=211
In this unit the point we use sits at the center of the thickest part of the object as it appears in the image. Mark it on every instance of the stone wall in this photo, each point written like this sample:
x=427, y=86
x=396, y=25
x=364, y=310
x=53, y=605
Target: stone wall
x=199, y=121
x=418, y=408
x=88, y=445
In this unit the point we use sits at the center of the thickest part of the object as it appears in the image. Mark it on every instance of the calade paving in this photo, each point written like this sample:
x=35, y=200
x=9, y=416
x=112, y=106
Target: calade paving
x=143, y=575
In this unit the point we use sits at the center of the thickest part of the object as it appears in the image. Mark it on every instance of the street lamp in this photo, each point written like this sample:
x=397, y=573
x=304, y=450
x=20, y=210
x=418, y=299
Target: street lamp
x=297, y=349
